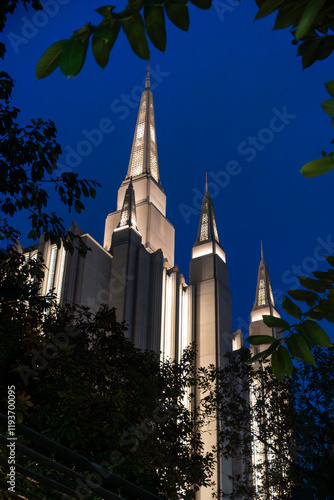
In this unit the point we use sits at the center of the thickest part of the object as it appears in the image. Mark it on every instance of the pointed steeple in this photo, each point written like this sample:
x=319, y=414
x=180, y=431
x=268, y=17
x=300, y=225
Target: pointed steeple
x=128, y=213
x=144, y=153
x=207, y=229
x=264, y=295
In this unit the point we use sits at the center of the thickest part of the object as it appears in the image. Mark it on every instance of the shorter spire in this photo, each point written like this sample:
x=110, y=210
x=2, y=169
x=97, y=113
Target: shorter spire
x=206, y=183
x=207, y=229
x=128, y=212
x=264, y=295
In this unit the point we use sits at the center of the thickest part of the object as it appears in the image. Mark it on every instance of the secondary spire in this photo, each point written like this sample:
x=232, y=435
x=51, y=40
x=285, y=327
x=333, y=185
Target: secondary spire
x=264, y=295
x=144, y=153
x=128, y=213
x=207, y=229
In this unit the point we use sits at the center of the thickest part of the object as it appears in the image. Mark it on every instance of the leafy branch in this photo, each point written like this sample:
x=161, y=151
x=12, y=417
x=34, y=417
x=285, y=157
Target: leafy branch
x=311, y=23
x=28, y=161
x=305, y=334
x=141, y=19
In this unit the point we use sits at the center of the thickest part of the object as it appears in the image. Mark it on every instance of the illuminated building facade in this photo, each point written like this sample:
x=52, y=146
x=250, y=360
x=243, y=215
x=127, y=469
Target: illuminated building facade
x=135, y=272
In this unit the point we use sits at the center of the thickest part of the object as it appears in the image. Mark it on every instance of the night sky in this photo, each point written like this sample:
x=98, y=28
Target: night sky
x=230, y=99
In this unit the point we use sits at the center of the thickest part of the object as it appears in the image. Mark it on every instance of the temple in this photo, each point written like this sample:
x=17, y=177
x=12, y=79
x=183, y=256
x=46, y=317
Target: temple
x=134, y=271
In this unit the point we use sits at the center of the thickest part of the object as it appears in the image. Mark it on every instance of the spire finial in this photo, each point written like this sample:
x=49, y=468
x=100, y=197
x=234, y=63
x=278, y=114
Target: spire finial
x=206, y=183
x=148, y=83
x=261, y=250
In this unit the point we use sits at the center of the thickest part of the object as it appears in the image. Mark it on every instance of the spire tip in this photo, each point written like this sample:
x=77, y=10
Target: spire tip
x=148, y=82
x=206, y=183
x=261, y=251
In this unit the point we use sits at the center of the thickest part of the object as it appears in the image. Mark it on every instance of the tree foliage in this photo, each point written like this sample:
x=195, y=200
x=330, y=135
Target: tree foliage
x=28, y=163
x=28, y=168
x=306, y=333
x=311, y=25
x=140, y=20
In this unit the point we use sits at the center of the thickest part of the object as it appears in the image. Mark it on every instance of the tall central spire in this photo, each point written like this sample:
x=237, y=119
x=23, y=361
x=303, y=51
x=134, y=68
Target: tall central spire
x=144, y=153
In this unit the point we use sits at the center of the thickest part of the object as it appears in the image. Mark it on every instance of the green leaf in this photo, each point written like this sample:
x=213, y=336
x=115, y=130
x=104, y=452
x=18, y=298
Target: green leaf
x=264, y=354
x=315, y=315
x=260, y=339
x=125, y=14
x=161, y=2
x=155, y=26
x=108, y=30
x=328, y=107
x=274, y=322
x=309, y=15
x=281, y=363
x=202, y=4
x=288, y=17
x=105, y=10
x=314, y=335
x=135, y=32
x=101, y=47
x=50, y=59
x=325, y=276
x=291, y=308
x=268, y=7
x=256, y=357
x=304, y=296
x=77, y=206
x=92, y=192
x=330, y=260
x=315, y=49
x=178, y=14
x=299, y=349
x=330, y=87
x=62, y=394
x=318, y=167
x=314, y=285
x=73, y=56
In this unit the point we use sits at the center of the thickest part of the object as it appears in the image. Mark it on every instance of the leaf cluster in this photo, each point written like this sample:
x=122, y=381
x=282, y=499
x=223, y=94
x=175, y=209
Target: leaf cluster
x=300, y=337
x=140, y=20
x=28, y=164
x=311, y=23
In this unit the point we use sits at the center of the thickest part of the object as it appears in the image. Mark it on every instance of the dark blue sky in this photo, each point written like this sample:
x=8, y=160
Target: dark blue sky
x=231, y=99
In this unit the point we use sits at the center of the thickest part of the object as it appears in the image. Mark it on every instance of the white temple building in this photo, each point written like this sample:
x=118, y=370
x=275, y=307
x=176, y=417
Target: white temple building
x=135, y=272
